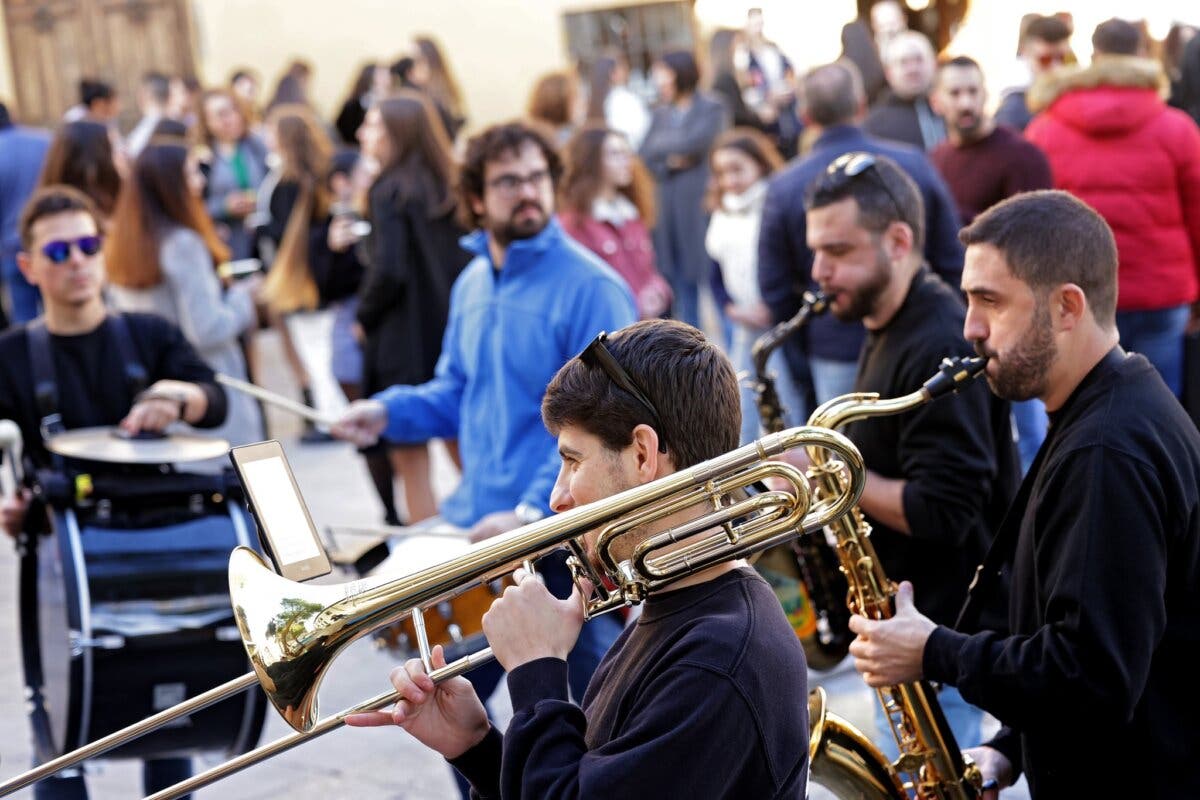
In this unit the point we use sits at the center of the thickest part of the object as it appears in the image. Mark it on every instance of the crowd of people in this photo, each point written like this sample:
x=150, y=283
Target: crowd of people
x=531, y=292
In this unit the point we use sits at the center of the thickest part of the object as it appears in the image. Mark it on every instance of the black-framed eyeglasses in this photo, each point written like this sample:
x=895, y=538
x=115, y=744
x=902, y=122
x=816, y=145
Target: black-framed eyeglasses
x=59, y=250
x=511, y=184
x=846, y=168
x=596, y=354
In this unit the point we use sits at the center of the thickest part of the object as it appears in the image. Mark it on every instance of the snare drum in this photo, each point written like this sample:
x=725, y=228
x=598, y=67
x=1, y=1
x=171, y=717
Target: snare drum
x=455, y=623
x=121, y=620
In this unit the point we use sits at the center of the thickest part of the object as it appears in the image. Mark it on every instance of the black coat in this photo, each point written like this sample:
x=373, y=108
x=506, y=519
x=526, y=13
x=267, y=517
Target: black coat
x=405, y=297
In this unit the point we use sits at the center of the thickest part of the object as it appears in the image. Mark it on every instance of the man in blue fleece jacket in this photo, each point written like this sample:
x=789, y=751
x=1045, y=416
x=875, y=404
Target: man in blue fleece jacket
x=530, y=300
x=705, y=696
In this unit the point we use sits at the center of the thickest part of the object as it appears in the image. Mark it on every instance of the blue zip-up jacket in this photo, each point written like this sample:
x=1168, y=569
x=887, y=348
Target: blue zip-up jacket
x=508, y=333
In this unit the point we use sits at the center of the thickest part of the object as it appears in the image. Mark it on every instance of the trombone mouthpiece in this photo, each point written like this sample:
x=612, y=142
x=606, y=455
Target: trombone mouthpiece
x=953, y=374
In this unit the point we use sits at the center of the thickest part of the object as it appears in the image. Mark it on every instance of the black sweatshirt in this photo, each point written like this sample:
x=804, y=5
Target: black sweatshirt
x=956, y=454
x=703, y=697
x=1098, y=677
x=92, y=389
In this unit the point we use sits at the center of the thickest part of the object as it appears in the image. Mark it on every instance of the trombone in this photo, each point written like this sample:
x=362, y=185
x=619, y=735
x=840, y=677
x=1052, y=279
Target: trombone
x=292, y=631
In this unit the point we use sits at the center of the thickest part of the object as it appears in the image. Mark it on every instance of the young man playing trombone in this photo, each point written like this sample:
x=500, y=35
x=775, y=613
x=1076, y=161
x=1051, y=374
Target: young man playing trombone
x=705, y=695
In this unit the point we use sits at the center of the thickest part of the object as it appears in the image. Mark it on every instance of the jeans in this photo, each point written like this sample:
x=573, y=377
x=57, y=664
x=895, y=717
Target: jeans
x=1031, y=421
x=832, y=378
x=794, y=411
x=24, y=300
x=157, y=774
x=596, y=636
x=1158, y=335
x=965, y=722
x=686, y=305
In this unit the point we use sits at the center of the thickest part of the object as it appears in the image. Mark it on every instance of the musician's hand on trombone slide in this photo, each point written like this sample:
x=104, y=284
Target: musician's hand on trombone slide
x=362, y=423
x=527, y=622
x=447, y=718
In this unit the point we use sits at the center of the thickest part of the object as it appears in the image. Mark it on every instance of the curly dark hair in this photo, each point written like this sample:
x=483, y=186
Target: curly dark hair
x=494, y=143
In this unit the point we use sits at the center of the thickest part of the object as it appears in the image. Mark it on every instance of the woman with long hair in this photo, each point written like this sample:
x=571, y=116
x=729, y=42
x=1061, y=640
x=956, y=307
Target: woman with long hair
x=82, y=155
x=430, y=73
x=676, y=149
x=372, y=84
x=293, y=199
x=161, y=255
x=607, y=205
x=238, y=163
x=742, y=160
x=414, y=259
x=554, y=102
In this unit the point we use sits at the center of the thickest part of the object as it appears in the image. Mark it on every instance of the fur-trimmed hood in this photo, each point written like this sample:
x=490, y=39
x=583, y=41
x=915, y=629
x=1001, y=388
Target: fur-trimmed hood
x=1126, y=72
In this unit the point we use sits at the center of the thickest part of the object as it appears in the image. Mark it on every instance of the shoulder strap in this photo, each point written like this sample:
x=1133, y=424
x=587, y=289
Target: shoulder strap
x=45, y=384
x=135, y=374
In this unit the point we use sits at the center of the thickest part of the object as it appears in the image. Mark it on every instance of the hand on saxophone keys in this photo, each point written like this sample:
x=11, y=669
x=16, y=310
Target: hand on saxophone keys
x=996, y=769
x=890, y=651
x=447, y=717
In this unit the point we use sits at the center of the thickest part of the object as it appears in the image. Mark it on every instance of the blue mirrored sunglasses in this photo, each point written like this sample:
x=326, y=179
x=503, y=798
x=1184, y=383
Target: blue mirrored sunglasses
x=59, y=250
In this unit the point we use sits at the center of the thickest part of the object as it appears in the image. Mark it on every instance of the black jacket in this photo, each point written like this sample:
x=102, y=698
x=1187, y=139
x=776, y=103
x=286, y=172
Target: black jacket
x=1096, y=683
x=405, y=296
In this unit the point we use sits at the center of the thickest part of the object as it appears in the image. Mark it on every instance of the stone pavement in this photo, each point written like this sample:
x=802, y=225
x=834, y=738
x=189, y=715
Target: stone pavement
x=374, y=763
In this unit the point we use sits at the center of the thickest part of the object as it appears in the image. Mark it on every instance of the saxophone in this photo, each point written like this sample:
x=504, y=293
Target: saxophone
x=841, y=759
x=804, y=572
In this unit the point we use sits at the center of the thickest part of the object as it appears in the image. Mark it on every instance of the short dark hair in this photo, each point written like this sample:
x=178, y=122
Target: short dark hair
x=158, y=84
x=832, y=94
x=49, y=201
x=1117, y=37
x=1050, y=238
x=961, y=62
x=92, y=90
x=5, y=119
x=687, y=73
x=494, y=143
x=688, y=379
x=885, y=196
x=1050, y=29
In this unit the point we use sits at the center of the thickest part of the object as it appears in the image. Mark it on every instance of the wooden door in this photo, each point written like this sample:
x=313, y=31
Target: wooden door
x=55, y=43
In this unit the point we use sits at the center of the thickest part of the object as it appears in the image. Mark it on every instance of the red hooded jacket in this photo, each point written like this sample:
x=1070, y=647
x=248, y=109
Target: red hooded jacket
x=1114, y=144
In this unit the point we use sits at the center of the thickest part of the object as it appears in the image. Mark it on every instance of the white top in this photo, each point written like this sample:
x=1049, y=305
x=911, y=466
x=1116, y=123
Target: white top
x=625, y=113
x=732, y=241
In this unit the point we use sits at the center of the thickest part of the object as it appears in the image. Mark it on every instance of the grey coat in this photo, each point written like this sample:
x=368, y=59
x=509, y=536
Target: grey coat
x=682, y=221
x=190, y=296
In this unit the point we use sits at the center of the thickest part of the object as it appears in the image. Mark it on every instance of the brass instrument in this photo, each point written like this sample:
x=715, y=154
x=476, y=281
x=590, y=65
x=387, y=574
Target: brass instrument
x=292, y=631
x=930, y=764
x=804, y=572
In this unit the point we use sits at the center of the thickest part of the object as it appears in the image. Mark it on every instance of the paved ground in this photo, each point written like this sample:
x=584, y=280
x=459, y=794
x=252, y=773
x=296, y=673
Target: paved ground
x=379, y=763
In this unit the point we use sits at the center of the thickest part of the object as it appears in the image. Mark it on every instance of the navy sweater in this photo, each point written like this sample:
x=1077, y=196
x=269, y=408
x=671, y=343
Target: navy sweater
x=704, y=697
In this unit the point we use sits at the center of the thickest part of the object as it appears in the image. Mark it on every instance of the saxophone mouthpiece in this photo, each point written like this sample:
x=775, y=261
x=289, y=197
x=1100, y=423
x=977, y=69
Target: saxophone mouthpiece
x=953, y=374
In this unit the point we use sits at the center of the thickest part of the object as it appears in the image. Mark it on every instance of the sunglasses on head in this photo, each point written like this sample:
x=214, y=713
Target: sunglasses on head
x=596, y=354
x=59, y=250
x=847, y=167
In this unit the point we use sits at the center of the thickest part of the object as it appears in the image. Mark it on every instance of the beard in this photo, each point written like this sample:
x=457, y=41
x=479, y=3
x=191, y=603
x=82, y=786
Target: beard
x=968, y=124
x=862, y=300
x=1021, y=375
x=512, y=230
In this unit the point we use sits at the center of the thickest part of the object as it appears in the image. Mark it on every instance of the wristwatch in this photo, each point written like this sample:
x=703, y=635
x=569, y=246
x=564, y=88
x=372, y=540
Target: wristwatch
x=528, y=513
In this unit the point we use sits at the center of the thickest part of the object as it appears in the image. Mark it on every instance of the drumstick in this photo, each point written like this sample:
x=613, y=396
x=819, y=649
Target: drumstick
x=11, y=443
x=285, y=403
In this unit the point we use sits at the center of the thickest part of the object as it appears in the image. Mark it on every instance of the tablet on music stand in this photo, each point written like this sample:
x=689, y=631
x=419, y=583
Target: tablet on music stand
x=285, y=527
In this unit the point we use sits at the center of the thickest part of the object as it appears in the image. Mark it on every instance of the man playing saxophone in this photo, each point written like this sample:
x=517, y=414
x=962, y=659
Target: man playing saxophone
x=939, y=476
x=1102, y=540
x=705, y=696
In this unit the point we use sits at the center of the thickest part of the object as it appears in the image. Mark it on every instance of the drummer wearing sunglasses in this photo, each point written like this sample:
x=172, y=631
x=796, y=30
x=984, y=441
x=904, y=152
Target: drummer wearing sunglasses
x=62, y=256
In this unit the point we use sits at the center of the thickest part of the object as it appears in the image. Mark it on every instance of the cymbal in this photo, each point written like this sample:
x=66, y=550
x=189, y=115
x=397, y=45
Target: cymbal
x=111, y=445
